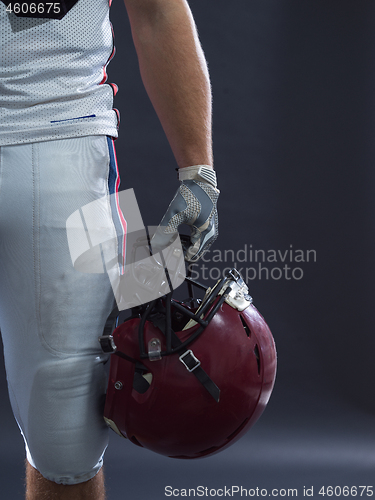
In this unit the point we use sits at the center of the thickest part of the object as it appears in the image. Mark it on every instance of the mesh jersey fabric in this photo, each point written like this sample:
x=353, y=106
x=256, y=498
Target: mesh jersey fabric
x=53, y=75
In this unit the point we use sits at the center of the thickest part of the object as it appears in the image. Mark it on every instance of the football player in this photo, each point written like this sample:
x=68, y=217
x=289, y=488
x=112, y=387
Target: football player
x=57, y=125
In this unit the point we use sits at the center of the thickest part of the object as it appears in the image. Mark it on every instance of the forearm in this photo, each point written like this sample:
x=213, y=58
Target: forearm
x=175, y=75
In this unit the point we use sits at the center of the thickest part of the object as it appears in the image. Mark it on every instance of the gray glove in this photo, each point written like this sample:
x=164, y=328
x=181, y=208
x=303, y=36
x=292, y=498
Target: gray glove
x=194, y=204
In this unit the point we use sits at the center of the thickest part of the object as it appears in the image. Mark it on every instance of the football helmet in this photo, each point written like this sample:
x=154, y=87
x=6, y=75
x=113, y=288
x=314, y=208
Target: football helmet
x=188, y=378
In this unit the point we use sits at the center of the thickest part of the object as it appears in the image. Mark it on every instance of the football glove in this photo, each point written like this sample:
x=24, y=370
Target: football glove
x=194, y=204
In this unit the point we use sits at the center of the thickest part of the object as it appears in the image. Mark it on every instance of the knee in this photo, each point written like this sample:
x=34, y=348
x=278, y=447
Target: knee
x=66, y=435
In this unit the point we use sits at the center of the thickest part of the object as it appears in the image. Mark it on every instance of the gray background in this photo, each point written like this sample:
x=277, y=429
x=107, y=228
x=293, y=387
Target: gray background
x=293, y=85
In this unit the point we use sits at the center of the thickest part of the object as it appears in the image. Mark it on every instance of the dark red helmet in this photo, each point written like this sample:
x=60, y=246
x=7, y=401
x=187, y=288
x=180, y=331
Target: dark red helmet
x=187, y=381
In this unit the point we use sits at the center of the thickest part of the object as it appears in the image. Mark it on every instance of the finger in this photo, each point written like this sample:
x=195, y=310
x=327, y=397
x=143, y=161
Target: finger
x=203, y=242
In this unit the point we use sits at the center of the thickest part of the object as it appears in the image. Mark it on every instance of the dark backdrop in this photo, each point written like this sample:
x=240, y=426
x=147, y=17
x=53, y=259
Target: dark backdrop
x=293, y=86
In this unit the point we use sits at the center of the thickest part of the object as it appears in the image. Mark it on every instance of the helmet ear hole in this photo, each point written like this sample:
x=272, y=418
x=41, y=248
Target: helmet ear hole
x=142, y=381
x=245, y=326
x=256, y=352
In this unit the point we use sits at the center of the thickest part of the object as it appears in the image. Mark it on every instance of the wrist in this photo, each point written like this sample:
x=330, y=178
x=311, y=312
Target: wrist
x=203, y=173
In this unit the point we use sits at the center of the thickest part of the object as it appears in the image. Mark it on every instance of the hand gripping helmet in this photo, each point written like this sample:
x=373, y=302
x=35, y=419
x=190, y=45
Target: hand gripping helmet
x=188, y=378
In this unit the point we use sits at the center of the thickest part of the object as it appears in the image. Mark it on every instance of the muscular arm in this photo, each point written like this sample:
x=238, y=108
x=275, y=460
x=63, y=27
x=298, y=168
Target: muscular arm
x=175, y=75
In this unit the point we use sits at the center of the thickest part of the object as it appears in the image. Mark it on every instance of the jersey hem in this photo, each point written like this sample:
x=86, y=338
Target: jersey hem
x=27, y=137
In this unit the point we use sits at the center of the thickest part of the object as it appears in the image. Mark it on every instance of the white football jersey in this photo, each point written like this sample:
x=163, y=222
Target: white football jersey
x=53, y=75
